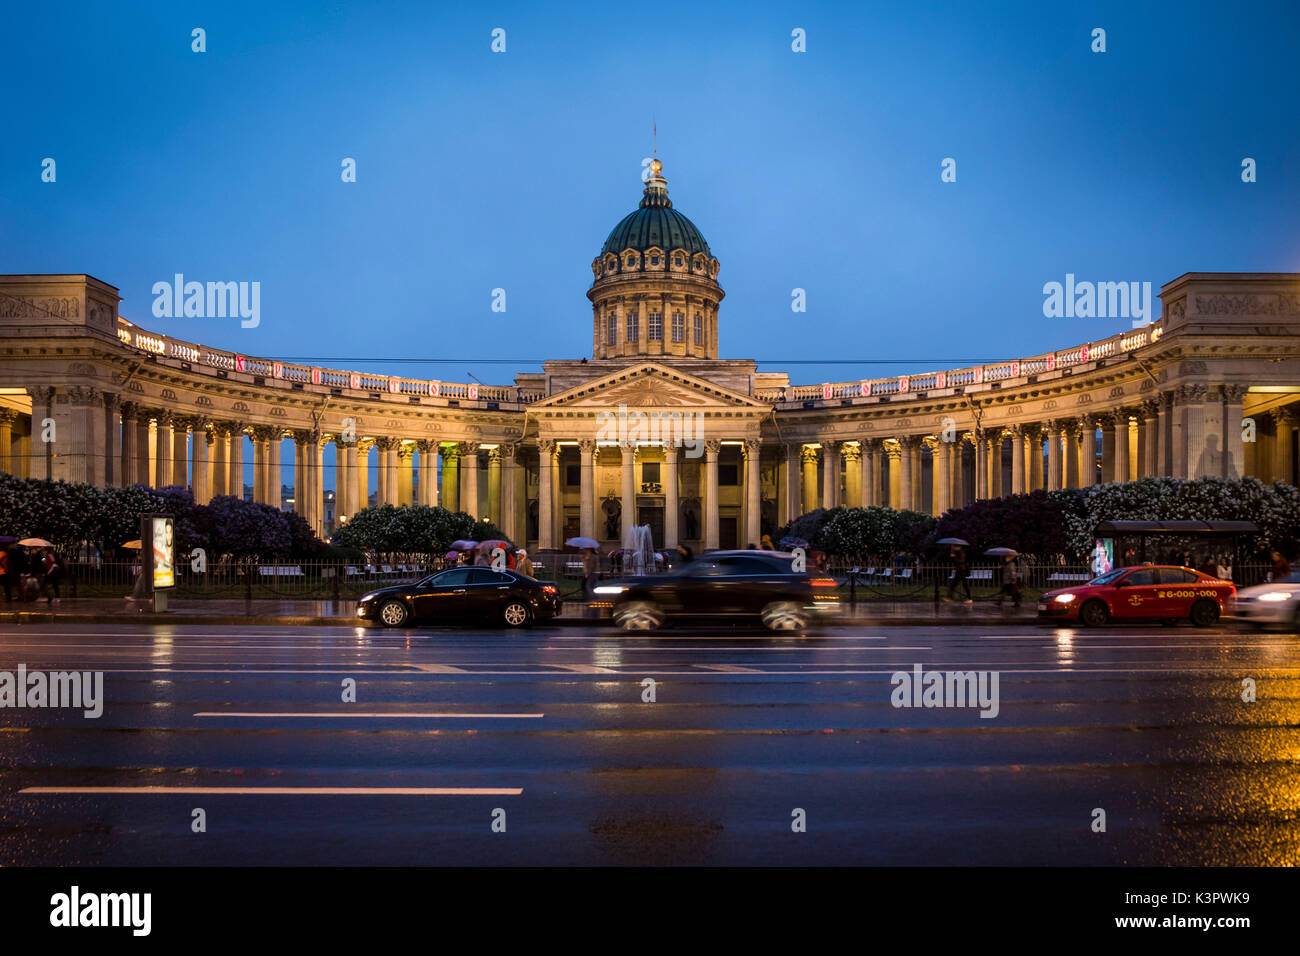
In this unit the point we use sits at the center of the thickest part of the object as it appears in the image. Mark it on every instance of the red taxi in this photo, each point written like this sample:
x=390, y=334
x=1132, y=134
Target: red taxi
x=1146, y=593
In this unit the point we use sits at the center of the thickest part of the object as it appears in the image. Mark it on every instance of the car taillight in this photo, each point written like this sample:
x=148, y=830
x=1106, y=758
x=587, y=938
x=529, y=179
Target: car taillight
x=823, y=582
x=548, y=588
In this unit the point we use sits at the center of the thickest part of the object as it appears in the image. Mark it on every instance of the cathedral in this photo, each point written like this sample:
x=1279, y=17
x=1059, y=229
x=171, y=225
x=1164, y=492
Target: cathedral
x=655, y=428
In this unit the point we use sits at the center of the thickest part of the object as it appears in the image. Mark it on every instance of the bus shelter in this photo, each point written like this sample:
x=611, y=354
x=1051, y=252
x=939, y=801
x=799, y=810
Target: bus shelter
x=1151, y=540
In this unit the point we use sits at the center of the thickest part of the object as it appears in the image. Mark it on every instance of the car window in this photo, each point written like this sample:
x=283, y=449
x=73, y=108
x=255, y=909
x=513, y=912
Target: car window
x=487, y=576
x=1143, y=577
x=451, y=578
x=1177, y=576
x=1106, y=578
x=746, y=565
x=705, y=569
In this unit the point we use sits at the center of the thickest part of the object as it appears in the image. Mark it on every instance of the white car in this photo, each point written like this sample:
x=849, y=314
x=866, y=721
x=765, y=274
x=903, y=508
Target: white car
x=1272, y=604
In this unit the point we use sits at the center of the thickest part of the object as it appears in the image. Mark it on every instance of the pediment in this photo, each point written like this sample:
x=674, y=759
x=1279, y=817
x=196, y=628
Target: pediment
x=650, y=386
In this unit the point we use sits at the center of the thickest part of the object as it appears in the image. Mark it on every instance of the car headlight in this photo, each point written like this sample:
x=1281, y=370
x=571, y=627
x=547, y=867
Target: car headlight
x=366, y=598
x=1064, y=598
x=1276, y=596
x=610, y=589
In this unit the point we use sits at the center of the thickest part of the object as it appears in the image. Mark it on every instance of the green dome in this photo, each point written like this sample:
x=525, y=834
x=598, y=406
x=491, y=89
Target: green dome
x=655, y=223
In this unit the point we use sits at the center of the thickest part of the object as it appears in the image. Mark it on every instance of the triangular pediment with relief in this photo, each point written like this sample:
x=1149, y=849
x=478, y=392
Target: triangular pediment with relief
x=649, y=386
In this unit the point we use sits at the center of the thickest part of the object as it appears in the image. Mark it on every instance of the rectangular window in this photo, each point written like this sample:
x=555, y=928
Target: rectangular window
x=656, y=326
x=728, y=474
x=611, y=329
x=679, y=327
x=699, y=329
x=573, y=475
x=633, y=327
x=650, y=472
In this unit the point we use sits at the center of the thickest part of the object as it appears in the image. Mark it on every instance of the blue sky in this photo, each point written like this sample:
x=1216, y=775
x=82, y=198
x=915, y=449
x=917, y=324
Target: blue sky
x=817, y=170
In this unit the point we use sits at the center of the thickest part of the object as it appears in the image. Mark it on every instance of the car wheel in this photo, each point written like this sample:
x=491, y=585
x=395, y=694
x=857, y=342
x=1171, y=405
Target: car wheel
x=1205, y=613
x=638, y=616
x=393, y=614
x=1094, y=614
x=785, y=616
x=515, y=614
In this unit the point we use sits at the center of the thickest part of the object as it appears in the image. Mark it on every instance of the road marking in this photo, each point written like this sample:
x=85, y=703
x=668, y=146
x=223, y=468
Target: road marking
x=586, y=669
x=291, y=791
x=375, y=714
x=730, y=668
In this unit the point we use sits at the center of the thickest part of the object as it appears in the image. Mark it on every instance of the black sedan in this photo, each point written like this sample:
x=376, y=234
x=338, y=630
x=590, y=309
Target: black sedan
x=724, y=586
x=478, y=595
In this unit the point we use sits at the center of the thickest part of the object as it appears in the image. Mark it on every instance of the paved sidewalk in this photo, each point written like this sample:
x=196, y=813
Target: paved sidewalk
x=333, y=613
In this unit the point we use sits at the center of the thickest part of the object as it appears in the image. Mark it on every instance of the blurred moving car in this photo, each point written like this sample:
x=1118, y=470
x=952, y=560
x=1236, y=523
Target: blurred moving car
x=1270, y=605
x=724, y=586
x=1147, y=593
x=462, y=594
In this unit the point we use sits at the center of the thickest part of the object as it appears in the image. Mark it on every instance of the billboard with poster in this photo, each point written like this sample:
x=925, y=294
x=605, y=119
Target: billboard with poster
x=160, y=544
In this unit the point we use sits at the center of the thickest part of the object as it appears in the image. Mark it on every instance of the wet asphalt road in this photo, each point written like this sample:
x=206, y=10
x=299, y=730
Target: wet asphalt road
x=549, y=726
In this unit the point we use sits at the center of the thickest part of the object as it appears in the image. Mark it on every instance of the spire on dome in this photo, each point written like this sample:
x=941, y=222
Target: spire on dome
x=656, y=188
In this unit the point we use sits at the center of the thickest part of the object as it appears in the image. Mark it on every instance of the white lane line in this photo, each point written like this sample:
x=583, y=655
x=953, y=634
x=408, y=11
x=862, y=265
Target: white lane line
x=292, y=791
x=374, y=714
x=437, y=668
x=730, y=668
x=585, y=669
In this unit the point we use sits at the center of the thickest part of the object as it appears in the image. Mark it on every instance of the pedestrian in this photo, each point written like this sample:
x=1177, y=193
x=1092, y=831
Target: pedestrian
x=55, y=571
x=959, y=573
x=5, y=581
x=1281, y=569
x=590, y=571
x=1210, y=566
x=684, y=554
x=523, y=564
x=1010, y=581
x=766, y=543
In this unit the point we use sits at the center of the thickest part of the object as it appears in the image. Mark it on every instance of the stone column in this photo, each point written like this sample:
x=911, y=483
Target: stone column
x=587, y=487
x=144, y=469
x=509, y=525
x=274, y=473
x=426, y=484
x=300, y=473
x=1284, y=422
x=627, y=496
x=360, y=494
x=494, y=485
x=112, y=444
x=451, y=477
x=217, y=460
x=941, y=486
x=383, y=444
x=1234, y=452
x=830, y=473
x=980, y=441
x=870, y=451
x=469, y=479
x=1149, y=440
x=895, y=454
x=672, y=506
x=261, y=463
x=546, y=494
x=1070, y=430
x=808, y=459
x=753, y=506
x=1119, y=443
x=1034, y=458
x=42, y=460
x=236, y=484
x=711, y=535
x=995, y=463
x=905, y=461
x=130, y=450
x=1107, y=422
x=406, y=473
x=199, y=456
x=852, y=475
x=180, y=451
x=790, y=499
x=164, y=449
x=345, y=466
x=1198, y=458
x=1018, y=449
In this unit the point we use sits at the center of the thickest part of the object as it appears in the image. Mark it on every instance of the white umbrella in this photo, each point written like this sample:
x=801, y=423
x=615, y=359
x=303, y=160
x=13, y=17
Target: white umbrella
x=583, y=543
x=35, y=543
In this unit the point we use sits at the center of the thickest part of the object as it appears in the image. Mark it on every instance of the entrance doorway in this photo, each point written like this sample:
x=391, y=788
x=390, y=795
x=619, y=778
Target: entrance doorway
x=727, y=532
x=653, y=515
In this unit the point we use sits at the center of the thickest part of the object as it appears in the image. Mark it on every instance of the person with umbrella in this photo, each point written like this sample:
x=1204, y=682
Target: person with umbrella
x=590, y=563
x=957, y=551
x=1009, y=573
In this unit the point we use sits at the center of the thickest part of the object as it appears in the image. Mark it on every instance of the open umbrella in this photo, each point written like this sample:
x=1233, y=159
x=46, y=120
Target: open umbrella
x=1002, y=552
x=35, y=543
x=464, y=545
x=495, y=543
x=135, y=545
x=452, y=556
x=957, y=541
x=7, y=539
x=582, y=543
